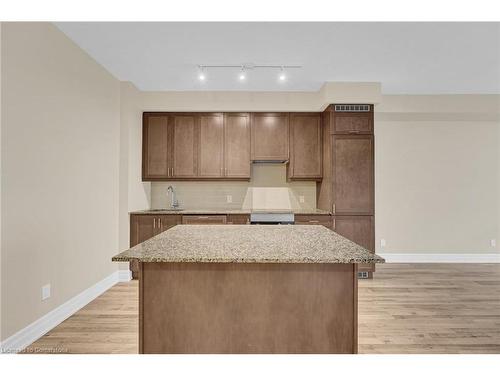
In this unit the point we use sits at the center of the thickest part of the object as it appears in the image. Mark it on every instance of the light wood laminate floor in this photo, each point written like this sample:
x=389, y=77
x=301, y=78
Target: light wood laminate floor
x=406, y=308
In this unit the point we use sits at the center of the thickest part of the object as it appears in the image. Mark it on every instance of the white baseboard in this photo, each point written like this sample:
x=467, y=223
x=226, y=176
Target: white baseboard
x=40, y=327
x=440, y=258
x=124, y=275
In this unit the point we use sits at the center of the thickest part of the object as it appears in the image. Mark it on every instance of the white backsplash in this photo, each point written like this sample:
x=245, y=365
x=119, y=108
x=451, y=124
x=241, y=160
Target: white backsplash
x=267, y=189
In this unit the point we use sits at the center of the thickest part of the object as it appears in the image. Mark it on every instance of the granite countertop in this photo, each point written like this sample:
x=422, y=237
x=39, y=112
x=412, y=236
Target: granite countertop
x=249, y=244
x=189, y=211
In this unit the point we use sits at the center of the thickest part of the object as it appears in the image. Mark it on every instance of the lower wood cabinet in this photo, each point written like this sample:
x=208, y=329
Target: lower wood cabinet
x=325, y=220
x=143, y=227
x=238, y=219
x=204, y=219
x=359, y=229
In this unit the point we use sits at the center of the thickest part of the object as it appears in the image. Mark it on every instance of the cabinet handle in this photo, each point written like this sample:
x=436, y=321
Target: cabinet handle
x=314, y=221
x=172, y=173
x=168, y=171
x=154, y=223
x=159, y=222
x=202, y=217
x=354, y=131
x=333, y=223
x=333, y=208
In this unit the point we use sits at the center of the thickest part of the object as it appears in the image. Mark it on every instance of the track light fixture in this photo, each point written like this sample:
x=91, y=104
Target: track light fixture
x=242, y=76
x=282, y=75
x=201, y=75
x=244, y=68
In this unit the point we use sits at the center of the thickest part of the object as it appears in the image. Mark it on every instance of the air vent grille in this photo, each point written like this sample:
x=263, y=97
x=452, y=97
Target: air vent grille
x=352, y=108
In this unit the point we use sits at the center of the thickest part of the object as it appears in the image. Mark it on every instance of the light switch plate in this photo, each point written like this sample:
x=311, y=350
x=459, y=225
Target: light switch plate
x=301, y=199
x=229, y=198
x=382, y=242
x=45, y=292
x=493, y=242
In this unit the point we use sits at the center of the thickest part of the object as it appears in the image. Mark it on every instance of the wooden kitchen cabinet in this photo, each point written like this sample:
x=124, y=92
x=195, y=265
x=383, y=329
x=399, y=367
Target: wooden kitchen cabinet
x=359, y=229
x=325, y=220
x=353, y=175
x=305, y=147
x=352, y=122
x=211, y=145
x=144, y=227
x=347, y=188
x=237, y=145
x=156, y=147
x=238, y=219
x=204, y=219
x=269, y=136
x=184, y=148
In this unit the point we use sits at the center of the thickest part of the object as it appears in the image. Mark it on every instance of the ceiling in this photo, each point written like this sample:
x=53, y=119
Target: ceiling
x=407, y=58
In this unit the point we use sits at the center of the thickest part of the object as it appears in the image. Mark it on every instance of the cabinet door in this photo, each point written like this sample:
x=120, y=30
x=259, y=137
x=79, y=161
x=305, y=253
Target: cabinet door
x=211, y=145
x=269, y=136
x=352, y=123
x=202, y=219
x=358, y=229
x=142, y=228
x=155, y=147
x=184, y=128
x=168, y=221
x=305, y=146
x=352, y=174
x=237, y=145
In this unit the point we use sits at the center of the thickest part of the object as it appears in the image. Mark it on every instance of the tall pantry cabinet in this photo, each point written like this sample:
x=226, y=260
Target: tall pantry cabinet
x=347, y=189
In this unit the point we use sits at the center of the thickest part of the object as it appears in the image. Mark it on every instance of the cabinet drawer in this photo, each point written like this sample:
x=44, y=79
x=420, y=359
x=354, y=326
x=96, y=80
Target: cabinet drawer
x=238, y=219
x=204, y=219
x=324, y=220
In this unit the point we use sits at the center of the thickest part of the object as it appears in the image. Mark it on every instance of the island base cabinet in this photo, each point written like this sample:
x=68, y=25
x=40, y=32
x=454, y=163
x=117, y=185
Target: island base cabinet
x=359, y=229
x=247, y=308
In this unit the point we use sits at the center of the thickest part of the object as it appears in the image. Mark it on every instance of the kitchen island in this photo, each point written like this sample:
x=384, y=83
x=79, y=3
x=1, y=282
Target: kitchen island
x=248, y=289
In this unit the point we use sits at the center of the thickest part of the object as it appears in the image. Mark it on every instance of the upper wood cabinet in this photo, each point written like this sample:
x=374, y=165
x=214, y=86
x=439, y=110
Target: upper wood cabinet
x=351, y=122
x=184, y=148
x=211, y=146
x=352, y=174
x=198, y=146
x=156, y=147
x=269, y=136
x=305, y=146
x=237, y=145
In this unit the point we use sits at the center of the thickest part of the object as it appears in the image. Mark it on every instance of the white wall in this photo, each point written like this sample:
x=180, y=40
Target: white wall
x=60, y=171
x=437, y=188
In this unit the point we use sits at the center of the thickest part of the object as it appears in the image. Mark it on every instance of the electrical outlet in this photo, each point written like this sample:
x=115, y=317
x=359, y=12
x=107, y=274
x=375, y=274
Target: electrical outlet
x=493, y=242
x=45, y=292
x=382, y=242
x=301, y=199
x=229, y=198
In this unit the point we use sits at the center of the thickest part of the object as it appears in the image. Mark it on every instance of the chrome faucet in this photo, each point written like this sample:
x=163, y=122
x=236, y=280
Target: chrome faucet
x=173, y=200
